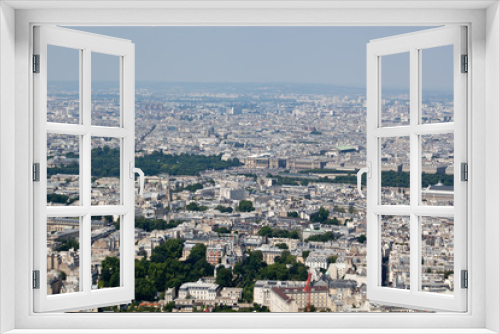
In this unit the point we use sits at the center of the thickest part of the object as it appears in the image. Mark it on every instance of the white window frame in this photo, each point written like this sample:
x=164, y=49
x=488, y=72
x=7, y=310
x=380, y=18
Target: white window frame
x=413, y=44
x=483, y=20
x=86, y=44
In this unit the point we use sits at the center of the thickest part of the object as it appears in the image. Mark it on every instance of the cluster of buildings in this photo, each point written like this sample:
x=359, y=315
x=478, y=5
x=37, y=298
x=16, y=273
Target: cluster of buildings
x=281, y=135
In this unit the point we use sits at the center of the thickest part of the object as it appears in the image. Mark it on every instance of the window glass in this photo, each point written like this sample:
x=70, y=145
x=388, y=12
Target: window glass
x=63, y=255
x=437, y=84
x=395, y=242
x=437, y=255
x=437, y=169
x=106, y=94
x=105, y=171
x=105, y=252
x=63, y=170
x=395, y=170
x=395, y=94
x=63, y=85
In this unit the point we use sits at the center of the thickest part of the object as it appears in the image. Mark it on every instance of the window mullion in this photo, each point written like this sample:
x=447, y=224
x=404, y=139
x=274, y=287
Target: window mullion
x=414, y=168
x=85, y=248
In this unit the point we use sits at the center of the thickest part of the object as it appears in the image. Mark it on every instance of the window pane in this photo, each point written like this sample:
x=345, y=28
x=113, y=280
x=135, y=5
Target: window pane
x=395, y=169
x=63, y=255
x=437, y=169
x=395, y=104
x=63, y=169
x=105, y=171
x=63, y=85
x=395, y=240
x=105, y=90
x=437, y=254
x=105, y=260
x=437, y=84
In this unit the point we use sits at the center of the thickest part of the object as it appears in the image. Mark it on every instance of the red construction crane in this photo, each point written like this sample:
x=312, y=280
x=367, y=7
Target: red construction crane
x=308, y=290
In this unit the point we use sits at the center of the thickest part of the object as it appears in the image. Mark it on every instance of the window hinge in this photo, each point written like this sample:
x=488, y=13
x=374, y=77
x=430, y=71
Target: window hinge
x=36, y=279
x=464, y=279
x=36, y=63
x=465, y=64
x=36, y=172
x=464, y=167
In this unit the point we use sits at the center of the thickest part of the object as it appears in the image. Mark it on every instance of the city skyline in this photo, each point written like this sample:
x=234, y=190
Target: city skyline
x=312, y=55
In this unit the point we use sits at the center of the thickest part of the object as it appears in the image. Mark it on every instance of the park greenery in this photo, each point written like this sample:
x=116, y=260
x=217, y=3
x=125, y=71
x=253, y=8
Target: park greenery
x=269, y=232
x=324, y=237
x=158, y=163
x=149, y=225
x=253, y=268
x=106, y=163
x=164, y=269
x=191, y=188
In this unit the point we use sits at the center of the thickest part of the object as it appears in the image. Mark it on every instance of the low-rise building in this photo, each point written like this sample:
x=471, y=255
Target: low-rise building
x=199, y=290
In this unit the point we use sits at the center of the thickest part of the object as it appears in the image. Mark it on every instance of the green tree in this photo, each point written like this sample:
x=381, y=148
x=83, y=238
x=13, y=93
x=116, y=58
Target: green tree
x=352, y=209
x=169, y=307
x=362, y=239
x=67, y=244
x=245, y=206
x=198, y=253
x=224, y=209
x=144, y=289
x=222, y=230
x=325, y=237
x=265, y=231
x=224, y=277
x=170, y=249
x=293, y=214
x=282, y=245
x=321, y=216
x=110, y=272
x=193, y=206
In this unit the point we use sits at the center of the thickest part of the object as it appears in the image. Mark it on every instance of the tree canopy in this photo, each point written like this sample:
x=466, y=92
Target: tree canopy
x=325, y=237
x=245, y=206
x=110, y=273
x=165, y=270
x=224, y=209
x=106, y=163
x=267, y=231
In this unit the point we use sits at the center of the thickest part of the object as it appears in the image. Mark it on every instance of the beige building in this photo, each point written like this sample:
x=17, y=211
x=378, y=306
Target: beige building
x=294, y=299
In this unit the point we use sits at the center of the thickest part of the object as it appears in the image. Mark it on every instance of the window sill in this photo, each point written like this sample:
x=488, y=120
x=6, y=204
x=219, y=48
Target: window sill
x=251, y=331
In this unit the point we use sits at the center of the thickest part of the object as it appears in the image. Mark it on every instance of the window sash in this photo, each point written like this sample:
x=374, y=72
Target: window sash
x=413, y=43
x=86, y=44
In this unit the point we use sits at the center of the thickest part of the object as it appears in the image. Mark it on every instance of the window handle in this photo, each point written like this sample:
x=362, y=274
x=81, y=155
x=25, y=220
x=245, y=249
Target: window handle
x=141, y=177
x=368, y=171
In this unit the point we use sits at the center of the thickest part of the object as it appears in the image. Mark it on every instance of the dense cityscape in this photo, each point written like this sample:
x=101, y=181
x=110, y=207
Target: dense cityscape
x=250, y=200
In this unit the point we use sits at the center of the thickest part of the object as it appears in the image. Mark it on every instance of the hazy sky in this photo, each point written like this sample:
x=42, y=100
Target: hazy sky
x=330, y=55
